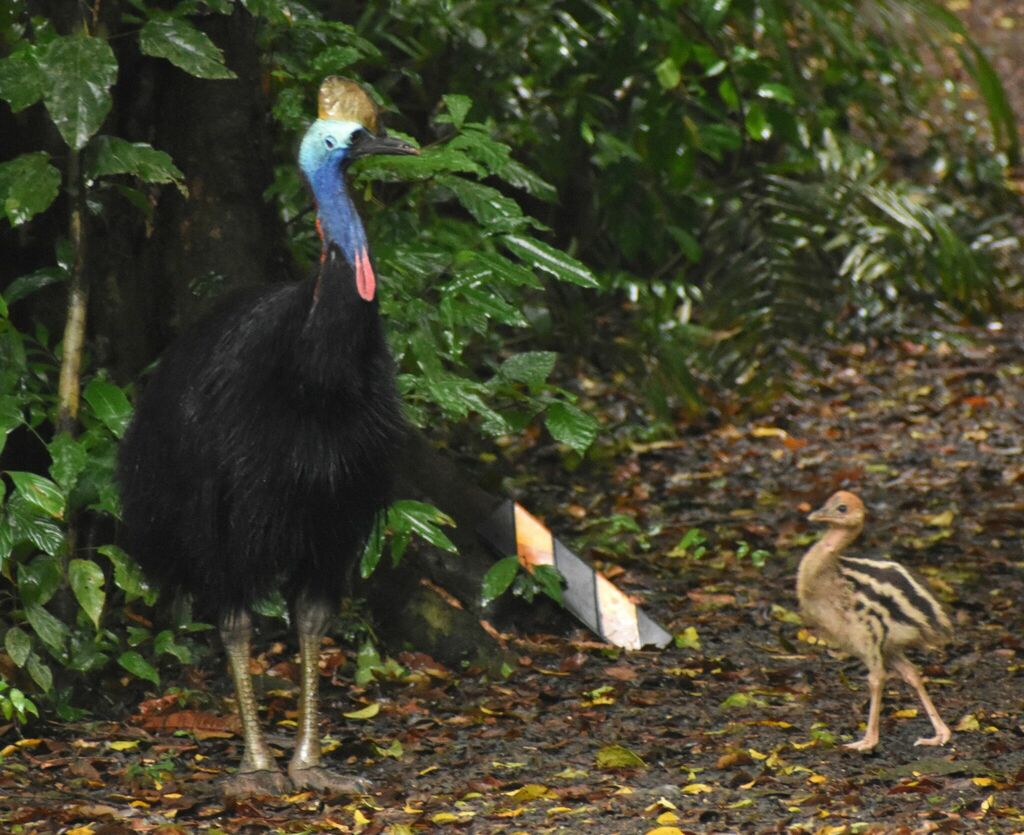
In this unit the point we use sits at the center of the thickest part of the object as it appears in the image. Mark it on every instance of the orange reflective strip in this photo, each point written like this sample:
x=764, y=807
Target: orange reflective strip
x=617, y=613
x=534, y=543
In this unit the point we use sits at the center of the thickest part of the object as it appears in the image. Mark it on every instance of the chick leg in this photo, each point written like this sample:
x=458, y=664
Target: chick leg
x=305, y=769
x=876, y=679
x=908, y=672
x=257, y=773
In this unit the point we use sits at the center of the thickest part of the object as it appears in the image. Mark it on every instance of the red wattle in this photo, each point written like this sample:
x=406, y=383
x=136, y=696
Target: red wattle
x=366, y=282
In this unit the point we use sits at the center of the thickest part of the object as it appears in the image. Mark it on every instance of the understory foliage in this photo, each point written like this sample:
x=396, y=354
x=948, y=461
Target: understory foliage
x=688, y=191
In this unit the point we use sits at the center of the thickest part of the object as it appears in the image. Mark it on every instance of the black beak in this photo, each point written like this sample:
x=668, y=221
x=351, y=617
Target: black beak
x=367, y=144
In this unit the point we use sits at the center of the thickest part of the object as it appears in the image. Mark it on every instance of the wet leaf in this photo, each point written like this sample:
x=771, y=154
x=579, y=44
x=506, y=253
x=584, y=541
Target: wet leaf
x=616, y=756
x=367, y=712
x=181, y=43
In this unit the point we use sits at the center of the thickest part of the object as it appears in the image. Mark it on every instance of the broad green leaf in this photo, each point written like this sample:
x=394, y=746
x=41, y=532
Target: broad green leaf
x=110, y=405
x=530, y=367
x=86, y=580
x=138, y=666
x=26, y=523
x=164, y=644
x=498, y=578
x=40, y=672
x=18, y=645
x=51, y=631
x=26, y=285
x=489, y=207
x=127, y=575
x=523, y=178
x=373, y=551
x=758, y=126
x=22, y=80
x=81, y=71
x=458, y=106
x=550, y=580
x=39, y=492
x=779, y=92
x=38, y=579
x=186, y=47
x=28, y=185
x=538, y=254
x=668, y=74
x=111, y=155
x=69, y=459
x=571, y=426
x=10, y=417
x=616, y=756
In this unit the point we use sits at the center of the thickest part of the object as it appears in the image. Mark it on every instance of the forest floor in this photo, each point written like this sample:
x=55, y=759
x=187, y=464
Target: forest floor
x=739, y=727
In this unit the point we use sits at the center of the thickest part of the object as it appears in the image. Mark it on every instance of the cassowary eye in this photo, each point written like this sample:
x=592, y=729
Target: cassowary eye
x=330, y=142
x=841, y=508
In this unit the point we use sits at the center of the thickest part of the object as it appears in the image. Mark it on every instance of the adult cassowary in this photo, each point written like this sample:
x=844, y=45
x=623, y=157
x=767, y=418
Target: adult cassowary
x=261, y=450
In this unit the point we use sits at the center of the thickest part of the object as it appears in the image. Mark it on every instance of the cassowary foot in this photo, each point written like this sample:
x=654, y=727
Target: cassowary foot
x=324, y=780
x=254, y=783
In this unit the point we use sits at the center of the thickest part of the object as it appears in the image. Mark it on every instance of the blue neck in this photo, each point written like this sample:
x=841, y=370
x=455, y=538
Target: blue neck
x=339, y=222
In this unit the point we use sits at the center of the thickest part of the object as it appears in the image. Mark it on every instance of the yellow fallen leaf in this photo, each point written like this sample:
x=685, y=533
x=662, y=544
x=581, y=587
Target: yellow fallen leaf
x=668, y=817
x=80, y=830
x=697, y=788
x=445, y=817
x=757, y=755
x=665, y=830
x=510, y=813
x=983, y=781
x=409, y=809
x=123, y=744
x=367, y=712
x=940, y=520
x=906, y=713
x=560, y=810
x=615, y=756
x=739, y=804
x=399, y=829
x=531, y=791
x=817, y=779
x=359, y=818
x=968, y=723
x=768, y=432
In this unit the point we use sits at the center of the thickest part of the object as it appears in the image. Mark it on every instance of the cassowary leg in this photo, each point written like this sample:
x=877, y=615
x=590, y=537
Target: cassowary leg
x=311, y=619
x=876, y=680
x=908, y=672
x=257, y=773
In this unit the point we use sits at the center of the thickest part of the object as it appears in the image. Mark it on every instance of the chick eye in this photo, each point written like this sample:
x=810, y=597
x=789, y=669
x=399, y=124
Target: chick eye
x=841, y=508
x=330, y=142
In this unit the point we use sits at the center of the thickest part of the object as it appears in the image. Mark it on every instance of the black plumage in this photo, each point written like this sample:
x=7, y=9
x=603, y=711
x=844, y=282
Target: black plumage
x=262, y=448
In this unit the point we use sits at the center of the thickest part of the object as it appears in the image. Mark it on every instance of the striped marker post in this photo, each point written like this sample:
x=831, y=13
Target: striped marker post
x=589, y=595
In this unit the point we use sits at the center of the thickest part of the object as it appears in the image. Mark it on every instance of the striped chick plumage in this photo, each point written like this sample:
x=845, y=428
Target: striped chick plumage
x=873, y=609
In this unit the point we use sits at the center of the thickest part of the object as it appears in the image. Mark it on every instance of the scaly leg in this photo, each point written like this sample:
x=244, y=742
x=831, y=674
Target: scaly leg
x=876, y=680
x=908, y=672
x=305, y=769
x=257, y=773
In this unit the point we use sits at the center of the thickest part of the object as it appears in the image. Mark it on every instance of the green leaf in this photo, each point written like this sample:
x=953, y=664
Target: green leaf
x=39, y=492
x=127, y=575
x=688, y=639
x=779, y=92
x=110, y=405
x=373, y=551
x=758, y=126
x=668, y=74
x=81, y=70
x=422, y=519
x=18, y=645
x=110, y=155
x=458, y=106
x=86, y=579
x=10, y=417
x=550, y=580
x=138, y=666
x=186, y=47
x=25, y=523
x=22, y=80
x=571, y=426
x=28, y=185
x=164, y=644
x=498, y=578
x=489, y=207
x=615, y=756
x=538, y=254
x=38, y=579
x=40, y=672
x=51, y=631
x=69, y=459
x=530, y=367
x=26, y=285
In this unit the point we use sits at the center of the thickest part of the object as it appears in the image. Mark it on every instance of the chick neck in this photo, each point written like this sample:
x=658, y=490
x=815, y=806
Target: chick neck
x=823, y=556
